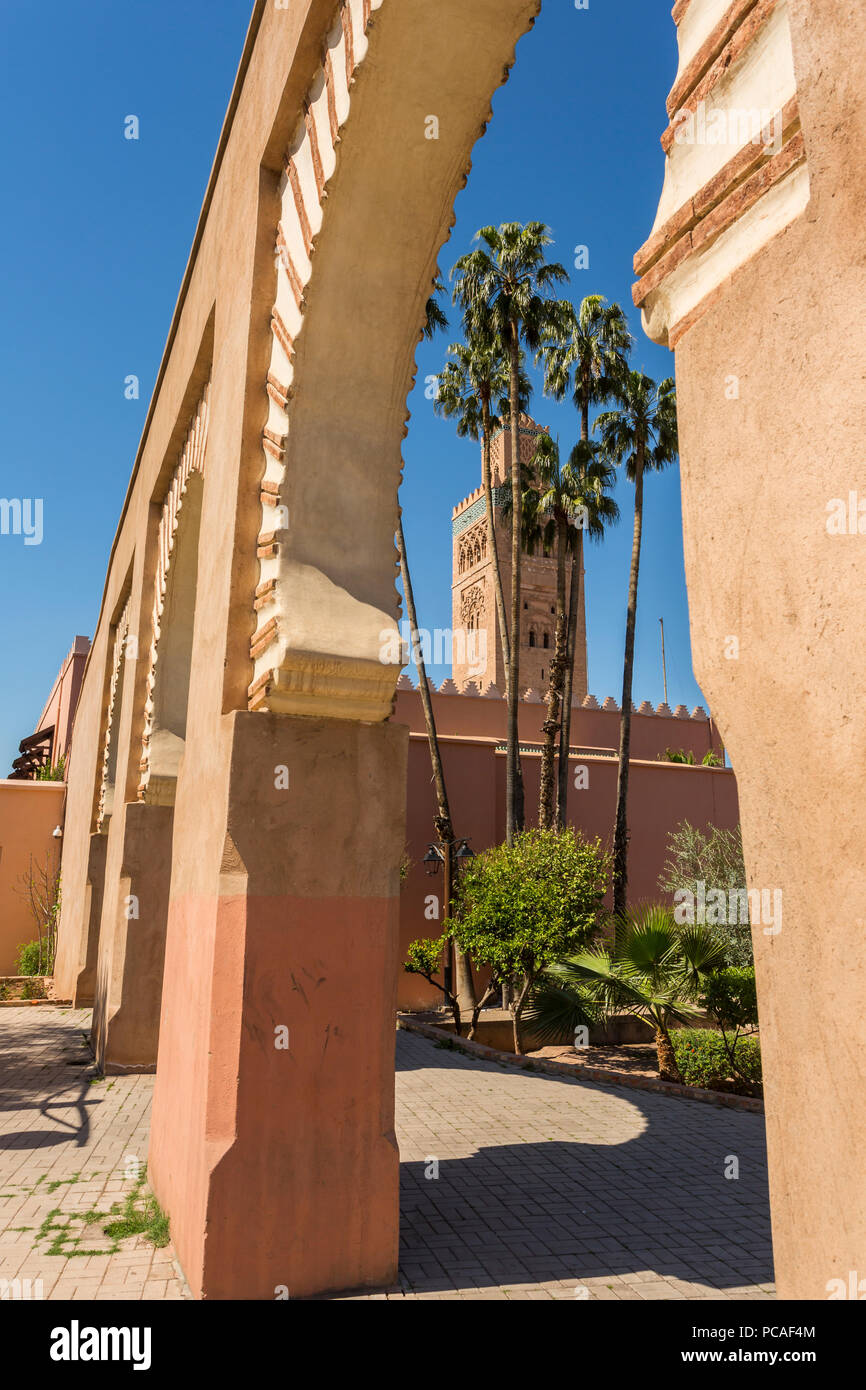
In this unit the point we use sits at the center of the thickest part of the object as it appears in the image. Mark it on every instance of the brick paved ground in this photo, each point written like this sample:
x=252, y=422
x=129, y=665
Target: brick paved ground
x=69, y=1145
x=546, y=1188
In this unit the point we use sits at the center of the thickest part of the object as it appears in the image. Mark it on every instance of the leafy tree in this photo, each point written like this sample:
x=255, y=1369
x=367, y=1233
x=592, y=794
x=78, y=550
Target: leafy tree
x=505, y=289
x=40, y=888
x=590, y=359
x=640, y=432
x=714, y=857
x=654, y=969
x=424, y=958
x=523, y=906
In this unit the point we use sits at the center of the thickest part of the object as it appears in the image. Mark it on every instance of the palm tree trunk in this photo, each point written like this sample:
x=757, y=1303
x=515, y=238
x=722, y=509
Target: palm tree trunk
x=514, y=810
x=573, y=610
x=552, y=724
x=668, y=1069
x=491, y=538
x=568, y=683
x=444, y=828
x=497, y=579
x=620, y=840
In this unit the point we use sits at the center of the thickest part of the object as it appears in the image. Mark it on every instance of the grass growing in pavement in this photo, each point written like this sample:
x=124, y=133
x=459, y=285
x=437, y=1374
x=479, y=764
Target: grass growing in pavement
x=147, y=1219
x=140, y=1215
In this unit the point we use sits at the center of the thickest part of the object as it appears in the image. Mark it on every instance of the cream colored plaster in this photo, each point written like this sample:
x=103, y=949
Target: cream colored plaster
x=707, y=269
x=762, y=81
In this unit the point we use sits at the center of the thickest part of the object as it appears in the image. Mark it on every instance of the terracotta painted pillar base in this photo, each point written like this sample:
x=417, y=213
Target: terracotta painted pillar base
x=272, y=1142
x=125, y=1030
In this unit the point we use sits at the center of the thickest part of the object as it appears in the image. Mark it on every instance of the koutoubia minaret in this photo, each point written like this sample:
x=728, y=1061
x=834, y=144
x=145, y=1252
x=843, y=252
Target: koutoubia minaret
x=474, y=619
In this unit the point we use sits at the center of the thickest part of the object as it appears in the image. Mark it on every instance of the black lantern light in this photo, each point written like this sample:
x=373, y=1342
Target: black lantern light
x=432, y=860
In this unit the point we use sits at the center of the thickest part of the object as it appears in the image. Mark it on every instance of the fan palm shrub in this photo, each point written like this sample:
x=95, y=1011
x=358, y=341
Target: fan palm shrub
x=654, y=969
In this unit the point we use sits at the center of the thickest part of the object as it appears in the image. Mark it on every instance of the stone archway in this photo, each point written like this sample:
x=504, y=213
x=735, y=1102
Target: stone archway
x=134, y=910
x=348, y=137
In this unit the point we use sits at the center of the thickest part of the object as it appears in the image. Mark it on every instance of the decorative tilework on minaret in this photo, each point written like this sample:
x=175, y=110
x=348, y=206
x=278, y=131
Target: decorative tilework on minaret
x=474, y=619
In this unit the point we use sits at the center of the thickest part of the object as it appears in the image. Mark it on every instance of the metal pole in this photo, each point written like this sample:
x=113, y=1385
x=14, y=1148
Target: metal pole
x=664, y=667
x=448, y=892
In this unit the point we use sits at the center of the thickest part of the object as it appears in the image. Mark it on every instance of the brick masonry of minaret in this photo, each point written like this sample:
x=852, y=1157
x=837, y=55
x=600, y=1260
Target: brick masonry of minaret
x=473, y=603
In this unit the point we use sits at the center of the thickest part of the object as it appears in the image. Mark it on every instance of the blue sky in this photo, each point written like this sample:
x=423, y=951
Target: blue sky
x=95, y=239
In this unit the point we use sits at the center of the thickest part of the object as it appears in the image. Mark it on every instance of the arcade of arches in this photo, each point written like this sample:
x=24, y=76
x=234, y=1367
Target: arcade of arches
x=235, y=805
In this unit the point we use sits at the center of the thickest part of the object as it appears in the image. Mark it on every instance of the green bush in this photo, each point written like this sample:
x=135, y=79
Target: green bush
x=29, y=959
x=52, y=772
x=523, y=907
x=703, y=1060
x=678, y=755
x=730, y=997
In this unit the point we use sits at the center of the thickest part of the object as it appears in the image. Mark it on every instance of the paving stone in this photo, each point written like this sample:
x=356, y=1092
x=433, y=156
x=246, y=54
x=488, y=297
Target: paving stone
x=546, y=1185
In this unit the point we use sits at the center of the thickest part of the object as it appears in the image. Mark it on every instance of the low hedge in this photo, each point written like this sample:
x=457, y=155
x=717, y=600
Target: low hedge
x=703, y=1061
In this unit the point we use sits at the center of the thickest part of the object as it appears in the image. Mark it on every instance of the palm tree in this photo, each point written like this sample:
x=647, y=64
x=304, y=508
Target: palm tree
x=434, y=320
x=442, y=822
x=561, y=503
x=655, y=970
x=473, y=388
x=592, y=359
x=556, y=508
x=642, y=433
x=505, y=291
x=592, y=480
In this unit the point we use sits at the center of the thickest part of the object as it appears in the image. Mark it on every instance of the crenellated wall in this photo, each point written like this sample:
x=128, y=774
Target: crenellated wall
x=481, y=712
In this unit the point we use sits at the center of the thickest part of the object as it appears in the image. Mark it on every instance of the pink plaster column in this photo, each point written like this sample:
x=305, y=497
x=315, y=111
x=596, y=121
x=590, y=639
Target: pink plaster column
x=273, y=1146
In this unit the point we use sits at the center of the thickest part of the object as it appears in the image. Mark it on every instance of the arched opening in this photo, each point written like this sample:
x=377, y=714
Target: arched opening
x=375, y=254
x=174, y=651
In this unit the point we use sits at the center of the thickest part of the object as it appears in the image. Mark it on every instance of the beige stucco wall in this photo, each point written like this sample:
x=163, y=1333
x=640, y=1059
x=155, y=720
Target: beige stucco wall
x=771, y=375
